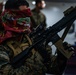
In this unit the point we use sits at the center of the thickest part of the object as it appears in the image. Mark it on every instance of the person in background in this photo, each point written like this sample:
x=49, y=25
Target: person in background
x=39, y=17
x=37, y=14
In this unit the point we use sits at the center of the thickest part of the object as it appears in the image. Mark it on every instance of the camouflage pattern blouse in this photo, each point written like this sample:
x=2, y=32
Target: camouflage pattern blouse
x=33, y=64
x=38, y=17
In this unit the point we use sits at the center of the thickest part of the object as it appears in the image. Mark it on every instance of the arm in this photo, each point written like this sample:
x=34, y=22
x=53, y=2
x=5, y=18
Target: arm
x=5, y=67
x=4, y=61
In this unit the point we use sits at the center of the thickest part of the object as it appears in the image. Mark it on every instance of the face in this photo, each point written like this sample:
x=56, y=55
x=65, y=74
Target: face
x=23, y=7
x=41, y=5
x=25, y=23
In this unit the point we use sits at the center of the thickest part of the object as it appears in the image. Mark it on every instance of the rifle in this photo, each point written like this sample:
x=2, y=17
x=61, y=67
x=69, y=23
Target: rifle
x=37, y=30
x=49, y=35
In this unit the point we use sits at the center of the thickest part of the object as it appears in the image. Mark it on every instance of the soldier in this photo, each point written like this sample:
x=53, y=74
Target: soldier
x=37, y=15
x=13, y=40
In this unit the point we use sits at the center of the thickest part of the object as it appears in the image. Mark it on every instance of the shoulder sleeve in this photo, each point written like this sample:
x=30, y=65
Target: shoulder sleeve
x=4, y=61
x=3, y=55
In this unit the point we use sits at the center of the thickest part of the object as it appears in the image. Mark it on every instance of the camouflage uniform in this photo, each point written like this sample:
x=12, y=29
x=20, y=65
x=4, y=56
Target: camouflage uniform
x=33, y=64
x=38, y=17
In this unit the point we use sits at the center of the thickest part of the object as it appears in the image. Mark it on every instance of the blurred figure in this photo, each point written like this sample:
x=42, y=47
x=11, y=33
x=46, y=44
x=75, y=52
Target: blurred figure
x=38, y=16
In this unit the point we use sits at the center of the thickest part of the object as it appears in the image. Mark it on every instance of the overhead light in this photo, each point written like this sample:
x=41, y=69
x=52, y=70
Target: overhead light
x=33, y=2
